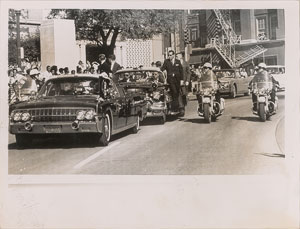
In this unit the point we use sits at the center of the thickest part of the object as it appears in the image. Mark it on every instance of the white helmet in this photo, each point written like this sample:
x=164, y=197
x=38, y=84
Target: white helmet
x=262, y=65
x=207, y=65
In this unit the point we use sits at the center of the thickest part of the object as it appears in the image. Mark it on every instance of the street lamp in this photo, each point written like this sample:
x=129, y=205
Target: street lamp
x=18, y=13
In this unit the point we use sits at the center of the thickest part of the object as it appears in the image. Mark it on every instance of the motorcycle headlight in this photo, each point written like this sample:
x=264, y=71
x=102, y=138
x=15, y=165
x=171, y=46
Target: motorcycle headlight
x=206, y=91
x=80, y=115
x=25, y=117
x=156, y=95
x=89, y=115
x=17, y=116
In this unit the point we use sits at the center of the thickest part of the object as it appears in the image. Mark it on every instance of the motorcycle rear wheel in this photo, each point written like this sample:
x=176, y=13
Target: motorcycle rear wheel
x=262, y=113
x=207, y=115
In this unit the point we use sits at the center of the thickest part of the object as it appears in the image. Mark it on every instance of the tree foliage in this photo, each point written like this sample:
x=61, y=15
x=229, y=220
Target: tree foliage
x=103, y=27
x=30, y=44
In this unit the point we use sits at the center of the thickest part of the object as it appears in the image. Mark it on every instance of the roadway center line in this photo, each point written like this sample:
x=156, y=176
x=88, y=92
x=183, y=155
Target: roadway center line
x=95, y=155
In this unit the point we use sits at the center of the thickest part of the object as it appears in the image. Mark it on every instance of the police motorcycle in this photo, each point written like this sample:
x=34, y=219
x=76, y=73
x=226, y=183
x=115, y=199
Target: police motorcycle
x=208, y=106
x=265, y=107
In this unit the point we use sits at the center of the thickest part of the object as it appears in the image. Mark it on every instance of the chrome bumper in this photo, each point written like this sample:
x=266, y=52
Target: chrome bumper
x=55, y=127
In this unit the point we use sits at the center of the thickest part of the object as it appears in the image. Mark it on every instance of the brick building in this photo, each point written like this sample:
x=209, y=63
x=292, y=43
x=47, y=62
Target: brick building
x=237, y=38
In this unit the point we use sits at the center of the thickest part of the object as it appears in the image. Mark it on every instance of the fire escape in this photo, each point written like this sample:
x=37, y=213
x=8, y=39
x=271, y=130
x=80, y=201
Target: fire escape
x=224, y=40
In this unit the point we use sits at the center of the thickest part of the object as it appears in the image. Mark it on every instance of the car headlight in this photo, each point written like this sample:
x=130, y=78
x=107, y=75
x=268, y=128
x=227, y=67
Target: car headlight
x=225, y=85
x=80, y=115
x=89, y=115
x=25, y=117
x=17, y=116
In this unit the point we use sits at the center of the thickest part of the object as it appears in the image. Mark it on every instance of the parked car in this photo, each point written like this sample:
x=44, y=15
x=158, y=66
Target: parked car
x=85, y=105
x=278, y=72
x=152, y=82
x=232, y=83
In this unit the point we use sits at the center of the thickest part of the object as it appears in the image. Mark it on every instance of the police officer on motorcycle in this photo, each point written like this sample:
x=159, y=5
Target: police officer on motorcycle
x=209, y=75
x=263, y=73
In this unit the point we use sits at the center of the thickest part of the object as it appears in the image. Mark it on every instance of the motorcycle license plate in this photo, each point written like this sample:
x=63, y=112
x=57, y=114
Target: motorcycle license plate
x=261, y=99
x=52, y=129
x=206, y=100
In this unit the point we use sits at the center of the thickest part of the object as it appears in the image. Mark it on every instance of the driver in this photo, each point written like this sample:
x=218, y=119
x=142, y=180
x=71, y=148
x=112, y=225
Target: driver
x=263, y=75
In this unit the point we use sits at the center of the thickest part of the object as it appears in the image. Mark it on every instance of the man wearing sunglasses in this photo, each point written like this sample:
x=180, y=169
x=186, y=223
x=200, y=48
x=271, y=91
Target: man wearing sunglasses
x=174, y=76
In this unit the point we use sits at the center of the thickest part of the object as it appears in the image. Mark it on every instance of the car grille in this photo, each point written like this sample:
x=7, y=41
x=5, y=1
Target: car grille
x=53, y=114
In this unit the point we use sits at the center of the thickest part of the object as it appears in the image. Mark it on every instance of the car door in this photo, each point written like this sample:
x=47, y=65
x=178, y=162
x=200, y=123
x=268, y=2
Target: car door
x=122, y=108
x=241, y=83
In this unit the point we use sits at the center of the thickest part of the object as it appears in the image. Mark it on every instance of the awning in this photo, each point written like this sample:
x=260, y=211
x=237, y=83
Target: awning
x=199, y=59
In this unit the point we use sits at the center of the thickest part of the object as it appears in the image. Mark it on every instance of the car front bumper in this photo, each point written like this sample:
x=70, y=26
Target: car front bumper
x=56, y=127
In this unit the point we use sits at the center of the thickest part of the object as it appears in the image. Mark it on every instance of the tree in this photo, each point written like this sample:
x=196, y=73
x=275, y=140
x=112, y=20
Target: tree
x=30, y=43
x=103, y=27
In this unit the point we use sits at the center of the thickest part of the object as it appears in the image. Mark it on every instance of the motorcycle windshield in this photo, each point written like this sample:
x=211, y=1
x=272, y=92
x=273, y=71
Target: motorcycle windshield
x=263, y=85
x=207, y=85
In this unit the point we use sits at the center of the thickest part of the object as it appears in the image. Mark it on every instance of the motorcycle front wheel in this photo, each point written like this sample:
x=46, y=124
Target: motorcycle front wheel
x=262, y=112
x=207, y=115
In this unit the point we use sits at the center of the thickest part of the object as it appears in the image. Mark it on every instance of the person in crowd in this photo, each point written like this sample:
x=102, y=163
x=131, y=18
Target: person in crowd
x=92, y=70
x=66, y=70
x=88, y=66
x=174, y=71
x=114, y=66
x=152, y=64
x=243, y=73
x=61, y=71
x=262, y=75
x=73, y=72
x=80, y=67
x=47, y=74
x=35, y=75
x=95, y=65
x=158, y=64
x=54, y=70
x=27, y=65
x=104, y=65
x=186, y=72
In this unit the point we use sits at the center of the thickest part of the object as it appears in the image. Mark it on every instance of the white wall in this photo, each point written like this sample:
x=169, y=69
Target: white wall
x=58, y=44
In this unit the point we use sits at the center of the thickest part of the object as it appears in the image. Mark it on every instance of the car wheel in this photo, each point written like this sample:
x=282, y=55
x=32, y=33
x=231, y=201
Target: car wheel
x=106, y=130
x=163, y=119
x=23, y=140
x=233, y=91
x=136, y=128
x=247, y=93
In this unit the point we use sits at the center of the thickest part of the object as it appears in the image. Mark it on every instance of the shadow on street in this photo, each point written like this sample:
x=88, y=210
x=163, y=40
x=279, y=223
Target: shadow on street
x=195, y=120
x=272, y=155
x=250, y=119
x=66, y=142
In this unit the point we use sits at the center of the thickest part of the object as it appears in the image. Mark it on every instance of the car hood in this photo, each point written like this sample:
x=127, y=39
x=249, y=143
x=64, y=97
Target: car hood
x=225, y=80
x=58, y=101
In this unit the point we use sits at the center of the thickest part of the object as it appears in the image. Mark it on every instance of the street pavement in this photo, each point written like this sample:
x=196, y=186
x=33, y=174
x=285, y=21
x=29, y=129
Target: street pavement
x=236, y=144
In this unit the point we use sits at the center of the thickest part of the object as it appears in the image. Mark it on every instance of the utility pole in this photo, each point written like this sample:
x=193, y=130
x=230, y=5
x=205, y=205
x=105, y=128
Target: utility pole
x=18, y=13
x=187, y=45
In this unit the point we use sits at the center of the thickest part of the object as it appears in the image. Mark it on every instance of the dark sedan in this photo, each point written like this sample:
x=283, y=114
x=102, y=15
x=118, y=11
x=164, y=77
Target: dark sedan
x=86, y=105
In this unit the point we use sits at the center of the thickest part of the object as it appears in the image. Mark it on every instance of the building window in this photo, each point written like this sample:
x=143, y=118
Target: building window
x=194, y=34
x=237, y=26
x=273, y=26
x=261, y=28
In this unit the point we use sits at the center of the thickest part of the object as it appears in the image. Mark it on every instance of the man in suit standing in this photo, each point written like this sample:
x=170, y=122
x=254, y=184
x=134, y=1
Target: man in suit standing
x=104, y=65
x=174, y=76
x=114, y=66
